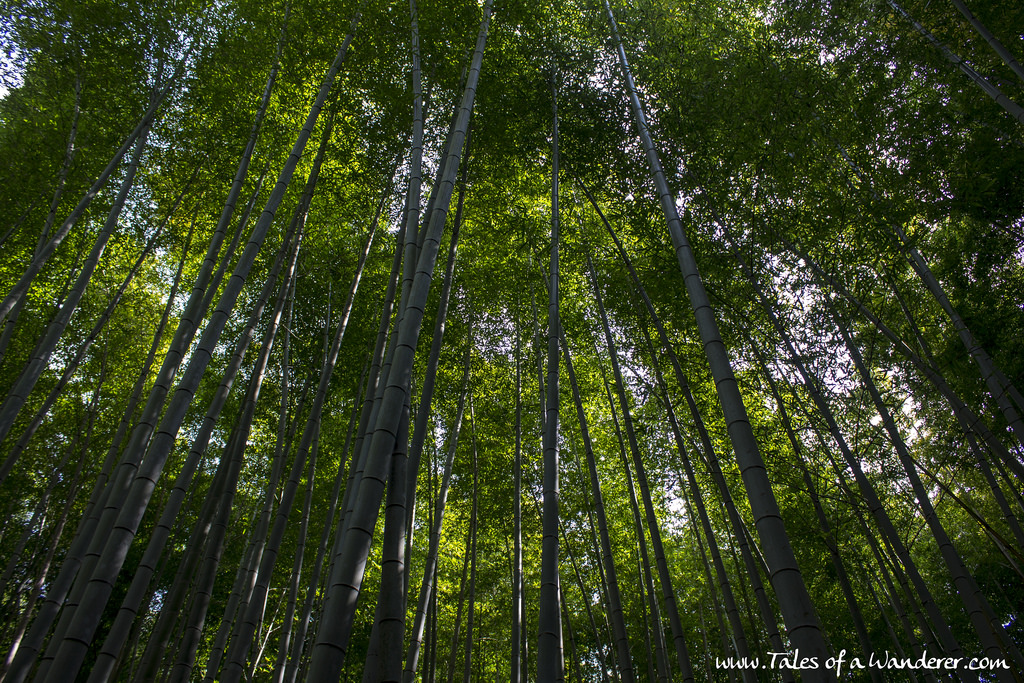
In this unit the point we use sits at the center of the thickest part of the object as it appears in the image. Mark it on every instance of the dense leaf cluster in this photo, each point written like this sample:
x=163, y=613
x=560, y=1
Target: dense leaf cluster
x=853, y=198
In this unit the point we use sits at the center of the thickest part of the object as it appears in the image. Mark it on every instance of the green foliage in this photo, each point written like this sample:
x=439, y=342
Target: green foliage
x=830, y=128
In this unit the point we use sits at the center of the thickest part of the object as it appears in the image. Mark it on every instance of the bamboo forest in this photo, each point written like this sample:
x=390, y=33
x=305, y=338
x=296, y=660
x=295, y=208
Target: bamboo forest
x=511, y=340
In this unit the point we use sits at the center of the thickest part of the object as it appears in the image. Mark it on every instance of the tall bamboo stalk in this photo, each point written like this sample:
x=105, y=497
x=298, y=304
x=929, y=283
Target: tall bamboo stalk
x=797, y=609
x=1011, y=107
x=234, y=669
x=550, y=659
x=428, y=585
x=40, y=357
x=347, y=575
x=614, y=599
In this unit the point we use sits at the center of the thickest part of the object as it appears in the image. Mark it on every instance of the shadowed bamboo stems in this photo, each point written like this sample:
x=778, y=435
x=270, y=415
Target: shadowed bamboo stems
x=870, y=497
x=140, y=435
x=296, y=573
x=39, y=513
x=795, y=603
x=993, y=42
x=137, y=493
x=138, y=589
x=888, y=555
x=40, y=581
x=69, y=154
x=234, y=669
x=84, y=347
x=474, y=522
x=614, y=599
x=575, y=563
x=211, y=528
x=826, y=528
x=427, y=392
x=990, y=632
x=60, y=587
x=657, y=653
x=668, y=593
x=428, y=585
x=1000, y=388
x=384, y=655
x=291, y=669
x=668, y=511
x=58, y=530
x=40, y=357
x=550, y=659
x=697, y=499
x=711, y=461
x=516, y=664
x=965, y=416
x=1011, y=107
x=45, y=251
x=346, y=577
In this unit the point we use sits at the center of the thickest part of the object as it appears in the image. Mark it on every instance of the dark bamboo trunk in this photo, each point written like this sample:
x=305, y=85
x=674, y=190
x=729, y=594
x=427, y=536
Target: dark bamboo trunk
x=347, y=574
x=797, y=609
x=614, y=599
x=428, y=585
x=550, y=659
x=234, y=669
